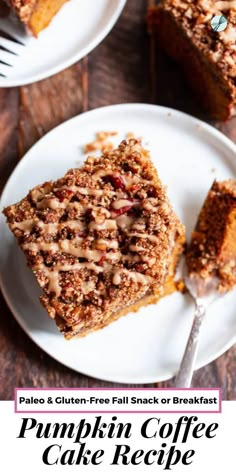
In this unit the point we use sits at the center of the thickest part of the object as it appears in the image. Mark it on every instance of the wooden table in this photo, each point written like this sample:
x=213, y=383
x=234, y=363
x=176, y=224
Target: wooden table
x=126, y=67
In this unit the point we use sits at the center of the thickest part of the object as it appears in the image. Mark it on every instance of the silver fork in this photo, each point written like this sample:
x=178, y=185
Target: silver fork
x=10, y=46
x=204, y=293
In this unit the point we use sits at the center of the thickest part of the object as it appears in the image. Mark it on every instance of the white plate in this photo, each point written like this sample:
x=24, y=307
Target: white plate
x=78, y=28
x=147, y=346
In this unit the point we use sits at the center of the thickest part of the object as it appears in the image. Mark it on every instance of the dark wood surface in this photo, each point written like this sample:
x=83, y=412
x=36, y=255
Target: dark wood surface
x=126, y=67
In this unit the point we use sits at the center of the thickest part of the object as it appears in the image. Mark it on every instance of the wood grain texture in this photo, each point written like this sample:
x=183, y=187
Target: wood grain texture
x=126, y=67
x=118, y=68
x=9, y=115
x=48, y=103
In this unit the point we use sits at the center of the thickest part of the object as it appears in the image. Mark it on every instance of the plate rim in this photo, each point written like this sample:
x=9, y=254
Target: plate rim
x=162, y=110
x=75, y=57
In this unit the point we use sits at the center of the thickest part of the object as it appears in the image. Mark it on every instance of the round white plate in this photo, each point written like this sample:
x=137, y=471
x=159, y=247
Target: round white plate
x=147, y=346
x=78, y=28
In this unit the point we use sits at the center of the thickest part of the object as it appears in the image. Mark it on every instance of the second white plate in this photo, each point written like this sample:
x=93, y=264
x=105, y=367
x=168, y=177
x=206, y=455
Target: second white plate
x=75, y=31
x=144, y=347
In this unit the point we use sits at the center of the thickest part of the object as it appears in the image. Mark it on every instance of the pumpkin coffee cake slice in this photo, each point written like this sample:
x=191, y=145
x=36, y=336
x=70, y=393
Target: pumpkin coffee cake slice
x=102, y=241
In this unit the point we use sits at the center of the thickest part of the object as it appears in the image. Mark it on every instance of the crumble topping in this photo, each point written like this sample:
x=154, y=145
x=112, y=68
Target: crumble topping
x=99, y=238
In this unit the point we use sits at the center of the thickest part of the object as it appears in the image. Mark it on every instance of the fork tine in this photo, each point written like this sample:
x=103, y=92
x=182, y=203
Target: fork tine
x=7, y=59
x=3, y=48
x=10, y=37
x=5, y=63
x=12, y=46
x=9, y=46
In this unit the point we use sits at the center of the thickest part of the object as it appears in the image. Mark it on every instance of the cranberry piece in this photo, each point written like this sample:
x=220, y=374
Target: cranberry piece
x=130, y=167
x=131, y=212
x=102, y=259
x=140, y=267
x=81, y=234
x=122, y=210
x=152, y=192
x=135, y=212
x=88, y=216
x=115, y=180
x=126, y=167
x=63, y=194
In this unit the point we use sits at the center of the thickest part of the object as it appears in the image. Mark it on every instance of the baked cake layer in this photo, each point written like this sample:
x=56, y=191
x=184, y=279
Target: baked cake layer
x=212, y=251
x=208, y=58
x=36, y=14
x=101, y=239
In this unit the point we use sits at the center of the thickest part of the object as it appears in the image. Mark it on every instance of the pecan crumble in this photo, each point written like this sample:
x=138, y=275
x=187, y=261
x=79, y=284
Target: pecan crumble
x=101, y=241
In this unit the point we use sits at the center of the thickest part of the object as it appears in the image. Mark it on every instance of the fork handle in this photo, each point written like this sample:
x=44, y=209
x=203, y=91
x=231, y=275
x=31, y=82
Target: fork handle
x=184, y=376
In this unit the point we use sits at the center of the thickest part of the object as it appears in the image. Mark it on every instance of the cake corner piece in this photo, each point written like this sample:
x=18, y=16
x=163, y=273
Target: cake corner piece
x=212, y=250
x=36, y=15
x=102, y=241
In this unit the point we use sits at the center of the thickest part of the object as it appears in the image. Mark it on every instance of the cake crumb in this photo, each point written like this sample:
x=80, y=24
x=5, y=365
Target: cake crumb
x=180, y=286
x=101, y=142
x=130, y=135
x=102, y=135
